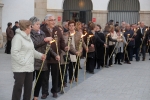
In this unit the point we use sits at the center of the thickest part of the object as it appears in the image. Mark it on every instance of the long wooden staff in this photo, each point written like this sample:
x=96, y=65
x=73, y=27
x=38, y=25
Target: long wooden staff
x=46, y=51
x=105, y=49
x=88, y=39
x=69, y=41
x=56, y=42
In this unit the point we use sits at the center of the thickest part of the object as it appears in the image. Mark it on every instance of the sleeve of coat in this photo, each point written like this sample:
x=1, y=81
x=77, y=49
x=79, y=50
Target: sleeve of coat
x=83, y=44
x=10, y=33
x=113, y=40
x=37, y=42
x=62, y=42
x=99, y=39
x=15, y=50
x=72, y=49
x=37, y=54
x=52, y=52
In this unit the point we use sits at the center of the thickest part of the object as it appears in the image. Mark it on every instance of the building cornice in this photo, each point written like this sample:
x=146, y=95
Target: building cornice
x=144, y=12
x=55, y=10
x=100, y=11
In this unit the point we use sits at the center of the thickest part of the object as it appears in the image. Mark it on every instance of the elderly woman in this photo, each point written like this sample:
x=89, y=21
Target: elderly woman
x=40, y=41
x=22, y=55
x=120, y=46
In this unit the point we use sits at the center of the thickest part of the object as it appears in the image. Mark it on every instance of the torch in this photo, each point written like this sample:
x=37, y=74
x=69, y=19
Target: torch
x=88, y=39
x=56, y=42
x=46, y=51
x=105, y=48
x=69, y=41
x=78, y=57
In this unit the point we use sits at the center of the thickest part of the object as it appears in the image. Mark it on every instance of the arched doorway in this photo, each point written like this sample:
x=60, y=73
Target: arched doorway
x=78, y=10
x=124, y=10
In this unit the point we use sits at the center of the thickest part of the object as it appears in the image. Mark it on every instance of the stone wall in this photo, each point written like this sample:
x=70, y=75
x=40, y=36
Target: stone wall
x=145, y=17
x=57, y=13
x=1, y=36
x=40, y=9
x=101, y=17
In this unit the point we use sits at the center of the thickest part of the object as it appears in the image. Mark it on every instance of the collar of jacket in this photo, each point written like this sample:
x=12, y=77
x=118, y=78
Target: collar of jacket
x=23, y=34
x=36, y=33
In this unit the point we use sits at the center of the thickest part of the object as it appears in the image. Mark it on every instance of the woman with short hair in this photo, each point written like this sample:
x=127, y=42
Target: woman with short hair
x=22, y=57
x=40, y=41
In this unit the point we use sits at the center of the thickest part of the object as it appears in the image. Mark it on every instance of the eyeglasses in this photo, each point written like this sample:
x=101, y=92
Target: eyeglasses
x=52, y=20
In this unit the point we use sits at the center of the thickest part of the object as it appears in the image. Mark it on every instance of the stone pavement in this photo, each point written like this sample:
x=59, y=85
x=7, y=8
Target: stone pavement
x=126, y=82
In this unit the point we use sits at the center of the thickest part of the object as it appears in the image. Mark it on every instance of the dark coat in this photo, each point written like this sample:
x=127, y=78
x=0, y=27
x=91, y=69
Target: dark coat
x=139, y=37
x=60, y=41
x=14, y=29
x=9, y=33
x=40, y=46
x=91, y=50
x=131, y=32
x=100, y=41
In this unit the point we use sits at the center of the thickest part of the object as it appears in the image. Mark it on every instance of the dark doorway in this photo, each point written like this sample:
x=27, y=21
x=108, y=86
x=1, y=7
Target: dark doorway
x=78, y=10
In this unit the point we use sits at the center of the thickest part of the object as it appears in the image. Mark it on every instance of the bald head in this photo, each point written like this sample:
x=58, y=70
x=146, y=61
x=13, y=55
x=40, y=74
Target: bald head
x=128, y=26
x=142, y=24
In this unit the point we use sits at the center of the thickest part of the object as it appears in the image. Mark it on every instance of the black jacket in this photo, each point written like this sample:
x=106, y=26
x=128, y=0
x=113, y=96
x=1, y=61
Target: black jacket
x=139, y=38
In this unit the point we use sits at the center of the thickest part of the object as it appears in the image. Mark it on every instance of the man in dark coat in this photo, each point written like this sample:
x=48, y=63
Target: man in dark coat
x=130, y=40
x=15, y=27
x=50, y=30
x=141, y=41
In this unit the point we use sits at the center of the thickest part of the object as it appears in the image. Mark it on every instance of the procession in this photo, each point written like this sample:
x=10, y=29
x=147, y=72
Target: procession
x=57, y=50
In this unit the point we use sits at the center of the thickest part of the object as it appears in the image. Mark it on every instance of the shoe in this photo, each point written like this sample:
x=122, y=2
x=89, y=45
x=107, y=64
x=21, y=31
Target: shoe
x=119, y=63
x=76, y=80
x=91, y=72
x=128, y=63
x=80, y=67
x=98, y=67
x=35, y=98
x=65, y=84
x=44, y=96
x=70, y=81
x=143, y=59
x=106, y=66
x=55, y=95
x=115, y=63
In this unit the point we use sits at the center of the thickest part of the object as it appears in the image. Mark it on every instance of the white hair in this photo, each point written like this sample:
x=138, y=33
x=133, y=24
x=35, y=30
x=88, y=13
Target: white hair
x=48, y=15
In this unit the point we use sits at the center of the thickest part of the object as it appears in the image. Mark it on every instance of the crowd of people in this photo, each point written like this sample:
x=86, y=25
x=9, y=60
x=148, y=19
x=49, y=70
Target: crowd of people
x=28, y=41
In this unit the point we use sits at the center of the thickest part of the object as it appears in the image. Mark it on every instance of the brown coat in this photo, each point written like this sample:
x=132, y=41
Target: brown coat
x=77, y=37
x=9, y=33
x=40, y=46
x=72, y=49
x=61, y=42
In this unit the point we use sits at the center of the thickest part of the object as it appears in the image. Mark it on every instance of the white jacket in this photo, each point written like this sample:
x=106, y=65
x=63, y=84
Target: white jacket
x=23, y=53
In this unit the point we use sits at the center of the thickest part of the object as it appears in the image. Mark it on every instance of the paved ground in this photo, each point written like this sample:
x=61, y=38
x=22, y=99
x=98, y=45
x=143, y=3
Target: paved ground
x=126, y=82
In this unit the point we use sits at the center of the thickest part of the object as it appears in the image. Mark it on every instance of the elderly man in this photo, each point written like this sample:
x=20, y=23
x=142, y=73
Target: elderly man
x=141, y=41
x=65, y=26
x=123, y=26
x=50, y=30
x=131, y=42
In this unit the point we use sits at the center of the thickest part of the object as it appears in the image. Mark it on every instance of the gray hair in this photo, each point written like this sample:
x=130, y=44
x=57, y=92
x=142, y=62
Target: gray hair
x=34, y=20
x=127, y=24
x=64, y=23
x=47, y=16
